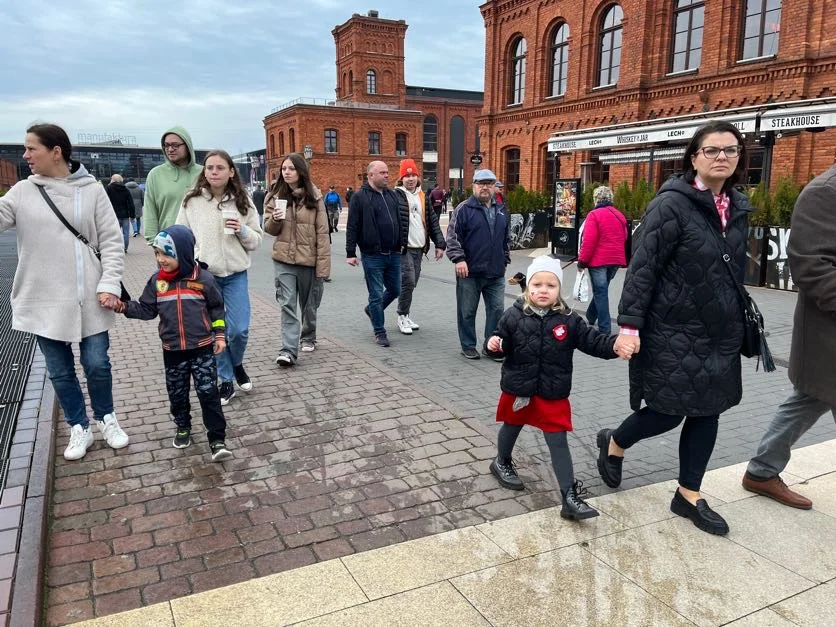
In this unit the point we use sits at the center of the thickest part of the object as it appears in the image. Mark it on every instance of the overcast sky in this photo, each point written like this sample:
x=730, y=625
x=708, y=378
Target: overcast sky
x=217, y=67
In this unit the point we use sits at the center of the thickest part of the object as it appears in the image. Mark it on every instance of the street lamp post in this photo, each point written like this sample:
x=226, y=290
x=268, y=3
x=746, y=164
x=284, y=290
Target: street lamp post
x=308, y=152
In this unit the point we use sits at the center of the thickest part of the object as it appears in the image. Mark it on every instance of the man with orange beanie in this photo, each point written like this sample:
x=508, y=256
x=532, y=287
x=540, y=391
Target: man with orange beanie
x=423, y=226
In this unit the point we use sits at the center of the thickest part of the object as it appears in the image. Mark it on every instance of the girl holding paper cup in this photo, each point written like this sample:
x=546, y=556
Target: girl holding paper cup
x=225, y=224
x=294, y=212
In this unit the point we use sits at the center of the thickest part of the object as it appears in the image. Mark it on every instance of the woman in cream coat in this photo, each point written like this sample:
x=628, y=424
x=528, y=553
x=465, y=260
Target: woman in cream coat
x=225, y=224
x=62, y=293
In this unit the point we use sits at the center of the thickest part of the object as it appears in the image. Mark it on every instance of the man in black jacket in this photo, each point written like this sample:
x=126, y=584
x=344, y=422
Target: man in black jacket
x=123, y=205
x=377, y=226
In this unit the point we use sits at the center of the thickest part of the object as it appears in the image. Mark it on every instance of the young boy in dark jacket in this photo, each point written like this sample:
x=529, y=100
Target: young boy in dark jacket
x=191, y=311
x=538, y=336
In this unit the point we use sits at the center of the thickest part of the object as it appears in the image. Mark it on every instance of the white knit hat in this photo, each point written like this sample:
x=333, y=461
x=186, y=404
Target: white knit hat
x=545, y=264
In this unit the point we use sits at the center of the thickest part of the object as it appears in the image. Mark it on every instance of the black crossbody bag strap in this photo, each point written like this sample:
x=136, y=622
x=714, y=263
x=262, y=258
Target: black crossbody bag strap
x=69, y=226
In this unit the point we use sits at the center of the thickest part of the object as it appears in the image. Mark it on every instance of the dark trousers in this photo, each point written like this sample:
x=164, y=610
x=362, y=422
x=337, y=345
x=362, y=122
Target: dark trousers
x=410, y=273
x=205, y=374
x=696, y=442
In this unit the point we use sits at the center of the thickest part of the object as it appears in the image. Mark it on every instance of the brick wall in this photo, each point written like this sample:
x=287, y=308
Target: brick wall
x=8, y=174
x=804, y=68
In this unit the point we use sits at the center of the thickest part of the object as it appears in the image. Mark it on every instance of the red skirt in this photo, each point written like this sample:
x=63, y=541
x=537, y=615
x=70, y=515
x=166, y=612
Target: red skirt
x=550, y=416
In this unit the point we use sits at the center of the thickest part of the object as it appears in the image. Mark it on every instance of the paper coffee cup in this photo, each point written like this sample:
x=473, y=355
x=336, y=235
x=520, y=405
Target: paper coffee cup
x=281, y=209
x=229, y=214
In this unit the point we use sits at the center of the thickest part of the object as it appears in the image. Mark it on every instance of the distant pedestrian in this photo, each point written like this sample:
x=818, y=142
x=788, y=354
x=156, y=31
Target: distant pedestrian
x=123, y=206
x=138, y=197
x=498, y=194
x=167, y=183
x=437, y=200
x=225, y=225
x=333, y=205
x=538, y=336
x=62, y=293
x=812, y=259
x=681, y=307
x=423, y=226
x=379, y=225
x=479, y=243
x=258, y=201
x=191, y=310
x=445, y=200
x=602, y=251
x=349, y=192
x=295, y=215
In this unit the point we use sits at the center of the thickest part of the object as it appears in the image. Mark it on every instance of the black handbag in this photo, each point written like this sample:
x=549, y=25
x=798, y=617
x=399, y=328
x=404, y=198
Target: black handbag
x=754, y=338
x=124, y=296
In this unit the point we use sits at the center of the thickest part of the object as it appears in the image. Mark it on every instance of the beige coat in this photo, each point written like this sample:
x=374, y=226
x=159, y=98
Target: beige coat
x=812, y=257
x=302, y=238
x=58, y=277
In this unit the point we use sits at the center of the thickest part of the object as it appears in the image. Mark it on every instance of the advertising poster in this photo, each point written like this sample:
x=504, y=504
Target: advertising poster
x=567, y=194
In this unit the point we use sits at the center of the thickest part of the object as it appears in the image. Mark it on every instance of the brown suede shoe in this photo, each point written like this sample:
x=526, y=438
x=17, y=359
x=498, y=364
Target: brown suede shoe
x=775, y=488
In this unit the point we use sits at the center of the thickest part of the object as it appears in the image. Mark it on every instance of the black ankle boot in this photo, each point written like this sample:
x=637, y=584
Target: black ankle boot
x=574, y=507
x=506, y=474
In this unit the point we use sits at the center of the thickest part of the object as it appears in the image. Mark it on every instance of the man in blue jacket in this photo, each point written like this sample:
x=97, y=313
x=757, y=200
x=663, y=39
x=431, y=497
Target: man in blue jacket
x=379, y=226
x=478, y=242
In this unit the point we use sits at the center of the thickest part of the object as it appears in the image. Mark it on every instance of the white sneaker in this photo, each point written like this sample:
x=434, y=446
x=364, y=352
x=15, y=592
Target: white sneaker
x=81, y=438
x=412, y=323
x=404, y=325
x=112, y=432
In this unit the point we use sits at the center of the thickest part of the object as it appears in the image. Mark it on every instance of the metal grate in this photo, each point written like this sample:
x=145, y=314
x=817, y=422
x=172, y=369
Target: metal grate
x=16, y=350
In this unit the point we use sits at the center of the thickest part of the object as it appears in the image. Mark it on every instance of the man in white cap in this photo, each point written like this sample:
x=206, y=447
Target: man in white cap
x=478, y=242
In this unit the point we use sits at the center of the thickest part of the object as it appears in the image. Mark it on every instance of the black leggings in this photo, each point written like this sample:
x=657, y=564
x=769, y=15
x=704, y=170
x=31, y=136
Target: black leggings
x=696, y=442
x=558, y=449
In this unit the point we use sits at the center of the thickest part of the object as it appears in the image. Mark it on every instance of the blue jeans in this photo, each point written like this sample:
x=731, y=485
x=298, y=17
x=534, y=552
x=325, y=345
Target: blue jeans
x=599, y=306
x=383, y=280
x=125, y=224
x=137, y=222
x=468, y=292
x=60, y=364
x=236, y=295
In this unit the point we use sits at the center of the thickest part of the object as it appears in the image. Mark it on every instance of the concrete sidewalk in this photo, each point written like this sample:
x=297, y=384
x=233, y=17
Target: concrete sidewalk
x=637, y=564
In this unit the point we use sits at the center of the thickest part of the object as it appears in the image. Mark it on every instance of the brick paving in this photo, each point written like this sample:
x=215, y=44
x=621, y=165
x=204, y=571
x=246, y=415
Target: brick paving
x=355, y=448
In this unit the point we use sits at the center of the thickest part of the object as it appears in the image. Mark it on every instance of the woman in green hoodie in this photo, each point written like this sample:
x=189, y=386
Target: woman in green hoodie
x=168, y=183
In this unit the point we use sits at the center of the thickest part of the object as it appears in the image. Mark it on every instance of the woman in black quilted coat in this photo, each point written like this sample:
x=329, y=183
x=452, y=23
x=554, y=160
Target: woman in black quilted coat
x=681, y=316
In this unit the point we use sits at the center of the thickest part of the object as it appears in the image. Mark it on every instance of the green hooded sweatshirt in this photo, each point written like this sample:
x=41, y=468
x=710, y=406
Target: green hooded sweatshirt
x=166, y=188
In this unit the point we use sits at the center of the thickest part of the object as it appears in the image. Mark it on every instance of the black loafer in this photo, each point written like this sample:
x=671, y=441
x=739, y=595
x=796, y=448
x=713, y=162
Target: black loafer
x=609, y=466
x=700, y=514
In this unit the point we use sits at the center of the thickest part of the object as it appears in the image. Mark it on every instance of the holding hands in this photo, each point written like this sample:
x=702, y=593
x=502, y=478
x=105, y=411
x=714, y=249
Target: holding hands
x=626, y=345
x=108, y=301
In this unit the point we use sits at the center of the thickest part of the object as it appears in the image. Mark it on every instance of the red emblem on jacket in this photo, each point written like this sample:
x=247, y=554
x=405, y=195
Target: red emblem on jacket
x=560, y=332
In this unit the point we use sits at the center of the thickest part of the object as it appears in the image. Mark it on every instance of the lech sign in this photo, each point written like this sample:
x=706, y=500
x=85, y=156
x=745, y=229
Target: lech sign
x=476, y=159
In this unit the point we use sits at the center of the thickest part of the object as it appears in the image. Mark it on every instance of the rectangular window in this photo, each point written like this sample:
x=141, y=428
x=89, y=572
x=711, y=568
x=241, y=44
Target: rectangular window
x=374, y=143
x=400, y=144
x=330, y=140
x=430, y=175
x=512, y=168
x=687, y=37
x=761, y=28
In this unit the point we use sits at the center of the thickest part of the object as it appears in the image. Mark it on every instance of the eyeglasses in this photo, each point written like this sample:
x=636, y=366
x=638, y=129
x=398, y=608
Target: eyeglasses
x=712, y=152
x=173, y=146
x=484, y=183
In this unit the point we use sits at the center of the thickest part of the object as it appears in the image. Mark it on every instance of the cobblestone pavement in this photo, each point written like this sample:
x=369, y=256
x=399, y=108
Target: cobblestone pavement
x=355, y=448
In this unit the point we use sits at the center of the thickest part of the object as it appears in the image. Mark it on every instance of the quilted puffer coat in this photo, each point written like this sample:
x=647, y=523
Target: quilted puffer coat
x=538, y=350
x=683, y=299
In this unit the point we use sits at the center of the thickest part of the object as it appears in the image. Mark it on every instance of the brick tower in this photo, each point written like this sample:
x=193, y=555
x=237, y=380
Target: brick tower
x=370, y=60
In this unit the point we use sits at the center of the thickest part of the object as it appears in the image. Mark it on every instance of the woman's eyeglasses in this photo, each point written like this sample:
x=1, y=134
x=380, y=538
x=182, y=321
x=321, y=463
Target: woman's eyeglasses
x=712, y=152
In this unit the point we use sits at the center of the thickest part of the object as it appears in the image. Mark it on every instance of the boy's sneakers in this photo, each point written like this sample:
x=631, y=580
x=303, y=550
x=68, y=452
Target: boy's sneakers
x=284, y=360
x=415, y=326
x=242, y=378
x=308, y=347
x=182, y=438
x=381, y=339
x=227, y=391
x=81, y=438
x=404, y=326
x=219, y=451
x=112, y=432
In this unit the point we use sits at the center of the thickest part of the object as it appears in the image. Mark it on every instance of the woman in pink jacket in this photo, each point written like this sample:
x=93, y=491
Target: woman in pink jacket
x=602, y=251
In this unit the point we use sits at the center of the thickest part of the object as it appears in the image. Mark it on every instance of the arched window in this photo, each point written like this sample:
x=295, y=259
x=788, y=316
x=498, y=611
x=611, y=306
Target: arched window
x=688, y=20
x=517, y=71
x=282, y=153
x=330, y=140
x=430, y=134
x=512, y=168
x=345, y=85
x=761, y=28
x=371, y=82
x=291, y=135
x=374, y=143
x=560, y=60
x=400, y=144
x=351, y=81
x=272, y=145
x=609, y=62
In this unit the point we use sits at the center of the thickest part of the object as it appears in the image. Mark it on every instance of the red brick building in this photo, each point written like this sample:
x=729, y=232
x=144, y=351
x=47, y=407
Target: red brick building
x=8, y=174
x=375, y=115
x=618, y=88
